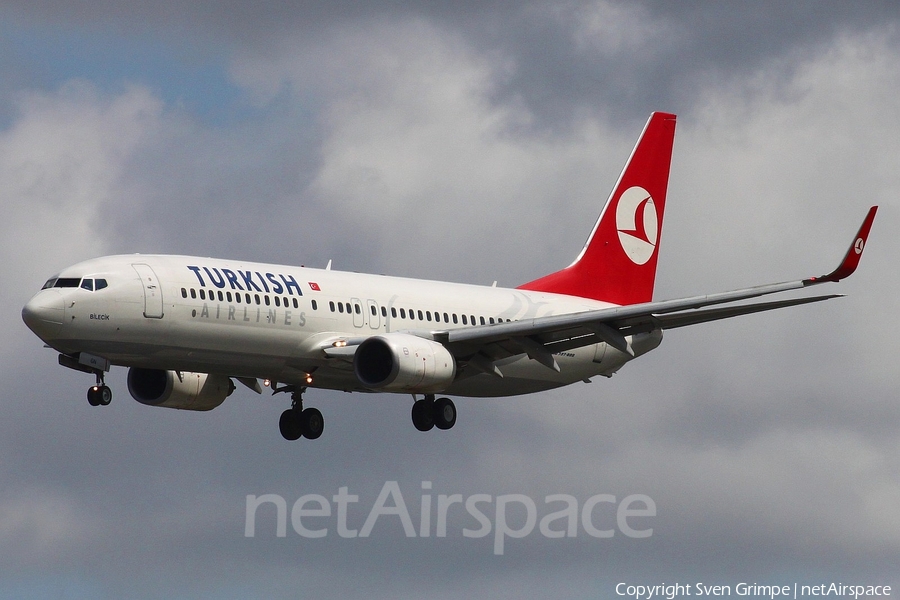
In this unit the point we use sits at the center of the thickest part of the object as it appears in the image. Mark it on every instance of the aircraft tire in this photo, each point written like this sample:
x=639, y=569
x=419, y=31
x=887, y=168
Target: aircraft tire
x=423, y=415
x=444, y=413
x=289, y=425
x=104, y=395
x=93, y=396
x=311, y=423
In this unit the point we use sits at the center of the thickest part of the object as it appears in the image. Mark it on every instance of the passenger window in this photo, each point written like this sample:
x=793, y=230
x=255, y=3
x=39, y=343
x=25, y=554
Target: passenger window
x=314, y=305
x=202, y=294
x=464, y=320
x=492, y=320
x=446, y=318
x=183, y=292
x=383, y=311
x=277, y=301
x=340, y=307
x=193, y=294
x=454, y=319
x=268, y=302
x=347, y=306
x=221, y=296
x=402, y=313
x=421, y=316
x=482, y=320
x=427, y=315
x=356, y=308
x=256, y=297
x=331, y=305
x=296, y=305
x=237, y=297
x=374, y=311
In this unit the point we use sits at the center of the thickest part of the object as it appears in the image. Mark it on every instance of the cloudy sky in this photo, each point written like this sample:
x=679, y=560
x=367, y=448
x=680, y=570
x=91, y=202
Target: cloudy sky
x=470, y=142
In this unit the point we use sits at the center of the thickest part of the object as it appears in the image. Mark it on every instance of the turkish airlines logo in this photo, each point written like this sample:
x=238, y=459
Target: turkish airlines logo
x=638, y=224
x=858, y=246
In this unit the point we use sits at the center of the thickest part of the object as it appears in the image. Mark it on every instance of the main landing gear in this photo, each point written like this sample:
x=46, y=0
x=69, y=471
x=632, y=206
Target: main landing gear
x=297, y=422
x=99, y=394
x=428, y=413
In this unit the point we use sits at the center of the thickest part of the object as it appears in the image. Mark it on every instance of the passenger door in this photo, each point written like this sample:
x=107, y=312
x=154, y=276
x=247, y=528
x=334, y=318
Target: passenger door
x=153, y=300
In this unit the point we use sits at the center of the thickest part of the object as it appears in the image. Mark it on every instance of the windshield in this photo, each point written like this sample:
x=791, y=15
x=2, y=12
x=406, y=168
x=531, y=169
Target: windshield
x=89, y=284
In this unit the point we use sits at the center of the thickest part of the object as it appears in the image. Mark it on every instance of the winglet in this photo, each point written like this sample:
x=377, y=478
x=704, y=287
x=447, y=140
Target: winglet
x=854, y=253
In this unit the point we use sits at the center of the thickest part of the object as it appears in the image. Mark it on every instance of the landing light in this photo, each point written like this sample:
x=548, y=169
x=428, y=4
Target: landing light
x=309, y=379
x=340, y=343
x=267, y=382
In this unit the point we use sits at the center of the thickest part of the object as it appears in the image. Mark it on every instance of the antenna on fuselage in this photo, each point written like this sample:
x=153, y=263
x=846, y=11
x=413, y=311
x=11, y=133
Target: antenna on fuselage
x=328, y=266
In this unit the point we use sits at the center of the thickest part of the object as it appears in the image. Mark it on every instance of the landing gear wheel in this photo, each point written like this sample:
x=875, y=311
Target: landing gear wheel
x=423, y=414
x=99, y=395
x=444, y=413
x=105, y=395
x=289, y=424
x=311, y=423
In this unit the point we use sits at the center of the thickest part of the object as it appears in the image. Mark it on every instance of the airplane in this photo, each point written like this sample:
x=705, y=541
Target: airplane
x=188, y=327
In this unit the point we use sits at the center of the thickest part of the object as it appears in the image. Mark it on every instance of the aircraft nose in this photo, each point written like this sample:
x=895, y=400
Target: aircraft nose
x=44, y=314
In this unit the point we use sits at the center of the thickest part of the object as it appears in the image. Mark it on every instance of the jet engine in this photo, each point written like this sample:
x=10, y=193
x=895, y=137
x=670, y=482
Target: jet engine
x=184, y=390
x=399, y=362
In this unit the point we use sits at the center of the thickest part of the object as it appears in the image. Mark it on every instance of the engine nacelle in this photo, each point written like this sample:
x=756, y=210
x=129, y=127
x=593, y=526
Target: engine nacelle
x=399, y=362
x=192, y=391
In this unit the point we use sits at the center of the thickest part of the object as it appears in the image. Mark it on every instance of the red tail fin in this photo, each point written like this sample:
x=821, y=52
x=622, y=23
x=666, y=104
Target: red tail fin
x=618, y=262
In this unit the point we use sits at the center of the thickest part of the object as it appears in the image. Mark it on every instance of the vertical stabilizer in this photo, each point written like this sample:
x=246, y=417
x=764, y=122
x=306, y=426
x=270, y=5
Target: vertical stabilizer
x=618, y=262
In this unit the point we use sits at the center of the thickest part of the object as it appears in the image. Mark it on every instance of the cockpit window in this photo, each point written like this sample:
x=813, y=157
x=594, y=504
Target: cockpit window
x=92, y=285
x=67, y=282
x=89, y=284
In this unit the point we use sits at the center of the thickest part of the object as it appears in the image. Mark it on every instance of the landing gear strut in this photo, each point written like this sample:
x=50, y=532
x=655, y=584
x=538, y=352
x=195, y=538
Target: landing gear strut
x=297, y=422
x=428, y=413
x=99, y=394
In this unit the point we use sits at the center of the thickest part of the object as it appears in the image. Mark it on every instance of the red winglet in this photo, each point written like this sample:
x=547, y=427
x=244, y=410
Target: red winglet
x=851, y=259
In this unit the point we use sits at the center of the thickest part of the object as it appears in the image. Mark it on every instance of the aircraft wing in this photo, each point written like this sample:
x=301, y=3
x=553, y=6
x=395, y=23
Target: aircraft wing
x=540, y=337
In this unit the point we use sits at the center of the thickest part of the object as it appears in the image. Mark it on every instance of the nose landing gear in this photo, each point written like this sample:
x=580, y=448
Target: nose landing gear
x=99, y=394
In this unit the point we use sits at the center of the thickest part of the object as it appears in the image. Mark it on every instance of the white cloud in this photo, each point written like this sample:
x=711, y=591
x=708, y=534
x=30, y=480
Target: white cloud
x=63, y=158
x=423, y=167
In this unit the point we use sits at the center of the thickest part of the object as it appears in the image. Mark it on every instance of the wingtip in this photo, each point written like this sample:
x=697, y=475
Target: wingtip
x=854, y=253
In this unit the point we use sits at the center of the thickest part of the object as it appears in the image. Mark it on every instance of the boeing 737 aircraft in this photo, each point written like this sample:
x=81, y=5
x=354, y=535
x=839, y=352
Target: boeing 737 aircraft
x=187, y=326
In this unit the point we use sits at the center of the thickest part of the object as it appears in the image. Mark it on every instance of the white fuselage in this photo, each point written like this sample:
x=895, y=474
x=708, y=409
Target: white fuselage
x=270, y=322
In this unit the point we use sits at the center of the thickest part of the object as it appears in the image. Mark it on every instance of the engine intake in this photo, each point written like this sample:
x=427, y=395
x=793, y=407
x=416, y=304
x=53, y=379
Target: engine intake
x=192, y=391
x=399, y=362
